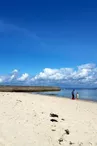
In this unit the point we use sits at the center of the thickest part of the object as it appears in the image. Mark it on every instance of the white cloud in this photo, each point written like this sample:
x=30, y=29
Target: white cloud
x=86, y=74
x=23, y=77
x=83, y=75
x=1, y=80
x=87, y=66
x=15, y=71
x=12, y=77
x=54, y=74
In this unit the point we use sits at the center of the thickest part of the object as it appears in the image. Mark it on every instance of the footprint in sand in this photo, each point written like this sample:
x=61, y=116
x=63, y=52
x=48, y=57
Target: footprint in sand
x=63, y=119
x=53, y=115
x=71, y=143
x=53, y=120
x=60, y=140
x=67, y=131
x=18, y=100
x=53, y=130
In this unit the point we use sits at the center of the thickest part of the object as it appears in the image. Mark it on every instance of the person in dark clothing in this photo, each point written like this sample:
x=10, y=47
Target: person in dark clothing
x=73, y=97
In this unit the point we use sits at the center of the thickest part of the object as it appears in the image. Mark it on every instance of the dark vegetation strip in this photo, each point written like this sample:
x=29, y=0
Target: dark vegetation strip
x=28, y=88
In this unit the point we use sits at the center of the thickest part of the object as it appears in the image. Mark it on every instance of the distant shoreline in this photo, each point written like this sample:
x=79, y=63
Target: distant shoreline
x=28, y=88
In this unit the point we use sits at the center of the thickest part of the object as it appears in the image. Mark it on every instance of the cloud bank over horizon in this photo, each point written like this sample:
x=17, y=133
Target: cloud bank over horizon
x=83, y=75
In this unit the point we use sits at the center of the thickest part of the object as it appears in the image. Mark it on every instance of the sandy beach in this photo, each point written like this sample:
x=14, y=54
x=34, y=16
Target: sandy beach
x=39, y=120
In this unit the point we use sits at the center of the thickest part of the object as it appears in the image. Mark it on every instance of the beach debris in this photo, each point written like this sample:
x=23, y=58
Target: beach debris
x=80, y=144
x=71, y=143
x=53, y=130
x=18, y=100
x=53, y=120
x=60, y=140
x=67, y=131
x=63, y=119
x=53, y=115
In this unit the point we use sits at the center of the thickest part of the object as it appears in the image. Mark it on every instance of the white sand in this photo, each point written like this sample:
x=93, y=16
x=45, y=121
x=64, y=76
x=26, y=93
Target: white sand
x=25, y=121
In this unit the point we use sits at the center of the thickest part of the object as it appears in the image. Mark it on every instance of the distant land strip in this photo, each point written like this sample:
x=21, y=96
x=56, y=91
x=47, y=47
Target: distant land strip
x=28, y=88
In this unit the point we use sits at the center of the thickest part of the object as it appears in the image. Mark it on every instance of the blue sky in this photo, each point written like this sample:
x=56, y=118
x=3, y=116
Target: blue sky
x=53, y=34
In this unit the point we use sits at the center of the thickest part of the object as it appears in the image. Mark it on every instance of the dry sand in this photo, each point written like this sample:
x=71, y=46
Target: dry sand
x=25, y=121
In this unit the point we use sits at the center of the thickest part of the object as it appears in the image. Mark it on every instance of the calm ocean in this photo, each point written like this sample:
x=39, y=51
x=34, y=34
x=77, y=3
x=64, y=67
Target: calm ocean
x=86, y=94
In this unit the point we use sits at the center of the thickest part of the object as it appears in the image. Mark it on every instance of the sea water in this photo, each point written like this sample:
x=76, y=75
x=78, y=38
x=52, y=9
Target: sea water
x=86, y=94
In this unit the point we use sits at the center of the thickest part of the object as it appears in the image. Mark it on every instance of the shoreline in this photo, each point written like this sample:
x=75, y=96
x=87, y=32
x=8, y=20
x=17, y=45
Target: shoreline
x=64, y=97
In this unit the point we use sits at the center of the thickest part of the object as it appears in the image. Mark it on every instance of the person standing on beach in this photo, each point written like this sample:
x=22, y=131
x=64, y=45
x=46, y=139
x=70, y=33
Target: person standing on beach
x=77, y=95
x=73, y=94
